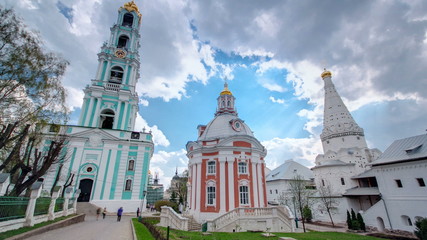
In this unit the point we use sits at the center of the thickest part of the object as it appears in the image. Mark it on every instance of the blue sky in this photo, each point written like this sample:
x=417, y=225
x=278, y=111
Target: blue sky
x=271, y=53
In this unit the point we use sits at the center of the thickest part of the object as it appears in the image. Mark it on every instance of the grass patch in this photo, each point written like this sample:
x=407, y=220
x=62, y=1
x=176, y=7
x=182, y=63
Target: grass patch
x=179, y=235
x=141, y=231
x=12, y=233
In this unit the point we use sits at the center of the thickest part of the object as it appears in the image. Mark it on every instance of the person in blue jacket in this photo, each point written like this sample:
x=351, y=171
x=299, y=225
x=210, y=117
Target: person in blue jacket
x=119, y=214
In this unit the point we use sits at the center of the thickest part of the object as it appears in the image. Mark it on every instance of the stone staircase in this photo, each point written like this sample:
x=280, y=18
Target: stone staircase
x=86, y=208
x=192, y=224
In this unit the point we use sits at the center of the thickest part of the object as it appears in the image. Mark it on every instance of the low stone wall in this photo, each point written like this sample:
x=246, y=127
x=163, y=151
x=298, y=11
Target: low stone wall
x=50, y=227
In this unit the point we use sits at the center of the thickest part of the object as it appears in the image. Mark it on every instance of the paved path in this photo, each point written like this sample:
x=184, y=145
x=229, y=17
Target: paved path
x=90, y=229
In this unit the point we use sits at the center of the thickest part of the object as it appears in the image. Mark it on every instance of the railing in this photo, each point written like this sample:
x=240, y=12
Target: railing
x=59, y=204
x=42, y=206
x=112, y=85
x=13, y=207
x=244, y=213
x=168, y=217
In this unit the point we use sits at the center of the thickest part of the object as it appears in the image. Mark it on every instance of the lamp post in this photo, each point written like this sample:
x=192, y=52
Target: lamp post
x=295, y=212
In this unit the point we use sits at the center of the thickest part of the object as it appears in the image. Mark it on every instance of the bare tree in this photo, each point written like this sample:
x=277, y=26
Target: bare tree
x=300, y=194
x=327, y=200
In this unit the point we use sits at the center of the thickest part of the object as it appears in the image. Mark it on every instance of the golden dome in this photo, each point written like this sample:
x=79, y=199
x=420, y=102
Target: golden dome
x=225, y=91
x=131, y=6
x=326, y=73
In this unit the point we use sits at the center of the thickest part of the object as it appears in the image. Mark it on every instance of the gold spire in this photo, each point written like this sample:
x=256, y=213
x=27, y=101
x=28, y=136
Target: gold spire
x=131, y=6
x=225, y=91
x=326, y=73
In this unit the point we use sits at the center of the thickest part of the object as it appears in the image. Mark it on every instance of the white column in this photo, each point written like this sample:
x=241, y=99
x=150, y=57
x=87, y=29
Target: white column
x=255, y=180
x=193, y=186
x=199, y=188
x=89, y=111
x=125, y=74
x=222, y=186
x=98, y=71
x=260, y=185
x=231, y=184
x=107, y=71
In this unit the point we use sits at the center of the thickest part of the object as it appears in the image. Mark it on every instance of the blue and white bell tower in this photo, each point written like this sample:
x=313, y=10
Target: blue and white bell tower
x=108, y=158
x=111, y=102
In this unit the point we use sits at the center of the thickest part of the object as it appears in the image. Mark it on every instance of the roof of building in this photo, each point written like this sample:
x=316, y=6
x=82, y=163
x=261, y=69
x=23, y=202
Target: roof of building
x=366, y=174
x=357, y=191
x=288, y=170
x=406, y=149
x=332, y=163
x=221, y=127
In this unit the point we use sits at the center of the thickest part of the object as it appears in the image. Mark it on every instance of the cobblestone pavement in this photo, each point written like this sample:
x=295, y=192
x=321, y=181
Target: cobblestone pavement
x=90, y=229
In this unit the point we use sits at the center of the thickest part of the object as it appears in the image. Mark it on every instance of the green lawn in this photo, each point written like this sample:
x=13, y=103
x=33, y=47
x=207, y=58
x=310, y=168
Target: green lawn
x=11, y=233
x=178, y=235
x=141, y=231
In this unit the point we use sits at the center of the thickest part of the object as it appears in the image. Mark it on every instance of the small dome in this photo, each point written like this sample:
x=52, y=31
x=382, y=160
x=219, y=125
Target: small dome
x=326, y=73
x=225, y=125
x=225, y=91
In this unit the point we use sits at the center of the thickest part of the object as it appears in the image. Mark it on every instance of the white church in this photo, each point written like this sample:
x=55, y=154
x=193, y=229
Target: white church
x=108, y=157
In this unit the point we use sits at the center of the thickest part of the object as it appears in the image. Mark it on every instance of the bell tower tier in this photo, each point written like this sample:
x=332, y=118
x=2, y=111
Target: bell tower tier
x=339, y=128
x=110, y=101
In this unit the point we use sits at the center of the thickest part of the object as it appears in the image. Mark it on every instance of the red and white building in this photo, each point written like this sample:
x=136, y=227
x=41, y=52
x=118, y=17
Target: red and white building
x=226, y=165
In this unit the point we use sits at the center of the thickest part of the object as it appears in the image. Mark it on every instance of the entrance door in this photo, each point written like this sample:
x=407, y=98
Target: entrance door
x=85, y=190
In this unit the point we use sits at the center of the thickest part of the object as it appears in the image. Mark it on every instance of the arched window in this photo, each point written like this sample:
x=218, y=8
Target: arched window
x=107, y=119
x=116, y=75
x=211, y=167
x=128, y=185
x=222, y=104
x=243, y=168
x=211, y=191
x=127, y=20
x=131, y=165
x=123, y=42
x=228, y=103
x=244, y=195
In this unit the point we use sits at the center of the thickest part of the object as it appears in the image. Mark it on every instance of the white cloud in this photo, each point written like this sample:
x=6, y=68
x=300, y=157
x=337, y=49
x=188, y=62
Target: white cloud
x=273, y=87
x=143, y=102
x=159, y=138
x=165, y=163
x=279, y=100
x=74, y=98
x=302, y=150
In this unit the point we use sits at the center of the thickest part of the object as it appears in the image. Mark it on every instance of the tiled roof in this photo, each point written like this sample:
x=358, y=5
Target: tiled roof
x=288, y=170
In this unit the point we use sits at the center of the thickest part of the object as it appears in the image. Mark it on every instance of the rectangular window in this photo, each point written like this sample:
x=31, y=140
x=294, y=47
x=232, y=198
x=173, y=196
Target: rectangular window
x=399, y=183
x=342, y=181
x=211, y=167
x=271, y=191
x=421, y=182
x=243, y=168
x=323, y=182
x=244, y=195
x=211, y=195
x=128, y=185
x=131, y=165
x=276, y=191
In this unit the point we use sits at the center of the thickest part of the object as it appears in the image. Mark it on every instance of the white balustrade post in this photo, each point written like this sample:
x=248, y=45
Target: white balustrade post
x=4, y=182
x=77, y=193
x=36, y=189
x=55, y=195
x=67, y=196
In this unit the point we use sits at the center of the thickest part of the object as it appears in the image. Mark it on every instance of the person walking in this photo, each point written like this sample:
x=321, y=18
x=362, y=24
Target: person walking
x=98, y=211
x=104, y=212
x=119, y=214
x=137, y=212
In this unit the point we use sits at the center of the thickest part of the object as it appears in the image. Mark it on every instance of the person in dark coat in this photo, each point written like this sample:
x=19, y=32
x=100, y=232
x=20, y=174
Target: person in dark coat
x=138, y=212
x=119, y=214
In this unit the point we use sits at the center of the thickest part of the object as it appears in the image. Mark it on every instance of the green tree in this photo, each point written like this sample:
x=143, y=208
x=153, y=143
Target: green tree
x=299, y=192
x=421, y=229
x=349, y=225
x=361, y=222
x=327, y=200
x=31, y=96
x=306, y=213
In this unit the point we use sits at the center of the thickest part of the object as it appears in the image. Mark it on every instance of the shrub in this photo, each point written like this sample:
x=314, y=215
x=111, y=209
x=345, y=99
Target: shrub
x=306, y=214
x=161, y=203
x=361, y=222
x=421, y=229
x=349, y=220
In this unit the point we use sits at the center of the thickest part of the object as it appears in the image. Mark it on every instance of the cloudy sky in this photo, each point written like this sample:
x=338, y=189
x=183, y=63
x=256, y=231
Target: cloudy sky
x=271, y=52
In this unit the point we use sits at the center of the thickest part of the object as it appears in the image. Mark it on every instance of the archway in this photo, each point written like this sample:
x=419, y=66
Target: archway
x=381, y=226
x=85, y=190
